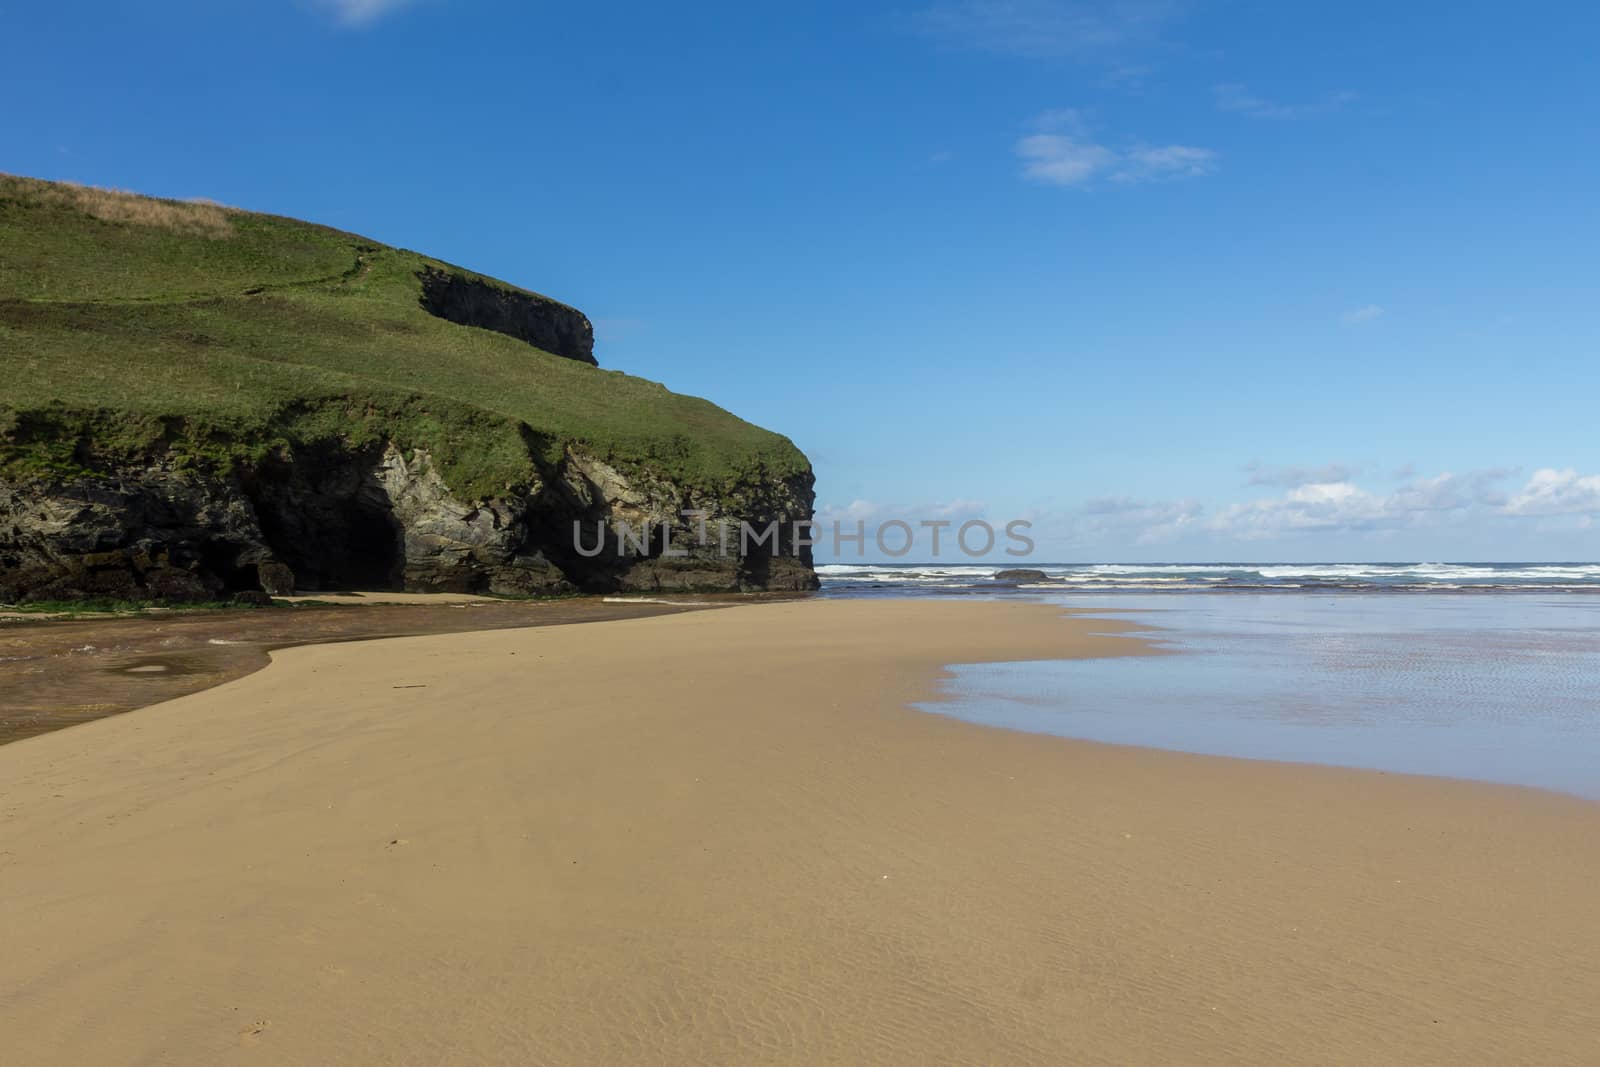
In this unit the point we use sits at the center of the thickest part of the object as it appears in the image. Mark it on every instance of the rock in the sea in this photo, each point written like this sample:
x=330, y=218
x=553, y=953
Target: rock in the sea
x=1020, y=575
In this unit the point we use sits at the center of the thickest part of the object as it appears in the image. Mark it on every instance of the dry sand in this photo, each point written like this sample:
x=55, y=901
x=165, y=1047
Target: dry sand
x=58, y=672
x=721, y=837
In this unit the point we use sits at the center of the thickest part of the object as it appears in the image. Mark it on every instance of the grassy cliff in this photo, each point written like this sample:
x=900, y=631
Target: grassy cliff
x=132, y=327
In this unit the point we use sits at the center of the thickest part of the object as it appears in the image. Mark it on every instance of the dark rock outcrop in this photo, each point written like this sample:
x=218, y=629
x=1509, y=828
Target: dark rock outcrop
x=1021, y=575
x=538, y=320
x=383, y=518
x=152, y=532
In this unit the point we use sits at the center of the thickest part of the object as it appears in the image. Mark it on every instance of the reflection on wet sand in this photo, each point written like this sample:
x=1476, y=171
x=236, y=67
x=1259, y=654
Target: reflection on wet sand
x=58, y=672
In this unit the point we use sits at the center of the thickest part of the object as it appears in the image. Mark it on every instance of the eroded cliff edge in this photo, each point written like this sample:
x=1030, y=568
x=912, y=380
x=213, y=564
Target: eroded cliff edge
x=544, y=323
x=198, y=402
x=331, y=515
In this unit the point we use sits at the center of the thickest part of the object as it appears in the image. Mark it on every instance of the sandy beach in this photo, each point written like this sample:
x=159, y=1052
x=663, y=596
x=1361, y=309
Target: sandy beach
x=725, y=837
x=59, y=672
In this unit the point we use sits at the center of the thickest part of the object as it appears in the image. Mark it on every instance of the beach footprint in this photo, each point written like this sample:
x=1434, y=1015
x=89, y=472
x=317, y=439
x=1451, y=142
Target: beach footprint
x=251, y=1035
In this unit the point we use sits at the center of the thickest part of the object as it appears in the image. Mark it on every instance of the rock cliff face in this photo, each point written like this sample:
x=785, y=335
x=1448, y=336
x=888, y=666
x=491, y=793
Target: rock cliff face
x=383, y=518
x=150, y=533
x=540, y=321
x=250, y=404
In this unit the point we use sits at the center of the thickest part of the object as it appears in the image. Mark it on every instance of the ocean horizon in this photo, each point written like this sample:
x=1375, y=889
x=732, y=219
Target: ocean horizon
x=865, y=578
x=1482, y=671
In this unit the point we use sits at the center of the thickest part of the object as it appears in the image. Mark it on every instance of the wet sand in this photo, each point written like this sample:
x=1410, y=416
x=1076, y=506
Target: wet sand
x=723, y=837
x=57, y=672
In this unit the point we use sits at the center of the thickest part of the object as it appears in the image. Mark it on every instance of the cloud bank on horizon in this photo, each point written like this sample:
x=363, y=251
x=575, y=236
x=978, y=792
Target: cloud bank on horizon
x=1314, y=500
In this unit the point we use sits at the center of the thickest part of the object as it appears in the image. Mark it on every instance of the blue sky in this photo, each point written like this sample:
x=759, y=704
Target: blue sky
x=1173, y=280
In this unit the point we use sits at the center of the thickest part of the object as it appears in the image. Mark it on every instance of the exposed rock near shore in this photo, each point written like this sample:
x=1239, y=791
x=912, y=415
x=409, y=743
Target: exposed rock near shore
x=147, y=533
x=1021, y=575
x=383, y=518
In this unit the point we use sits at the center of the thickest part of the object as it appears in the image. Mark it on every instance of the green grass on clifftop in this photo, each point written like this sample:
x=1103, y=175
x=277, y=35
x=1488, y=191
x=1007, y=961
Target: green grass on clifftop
x=134, y=326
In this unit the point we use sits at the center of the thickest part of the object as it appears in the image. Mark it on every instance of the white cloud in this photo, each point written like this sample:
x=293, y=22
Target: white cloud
x=1044, y=29
x=884, y=527
x=856, y=509
x=1112, y=520
x=1147, y=163
x=1342, y=506
x=1556, y=492
x=955, y=509
x=1072, y=159
x=1328, y=502
x=874, y=512
x=1057, y=159
x=1073, y=120
x=359, y=13
x=1317, y=506
x=1236, y=98
x=1142, y=522
x=1129, y=76
x=1260, y=474
x=1370, y=313
x=1442, y=492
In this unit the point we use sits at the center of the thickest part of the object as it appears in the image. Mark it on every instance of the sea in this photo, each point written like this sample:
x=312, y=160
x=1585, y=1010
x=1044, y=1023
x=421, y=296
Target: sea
x=904, y=579
x=1486, y=671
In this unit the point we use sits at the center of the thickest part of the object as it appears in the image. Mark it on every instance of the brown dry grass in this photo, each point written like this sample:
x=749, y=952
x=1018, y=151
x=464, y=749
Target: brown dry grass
x=203, y=218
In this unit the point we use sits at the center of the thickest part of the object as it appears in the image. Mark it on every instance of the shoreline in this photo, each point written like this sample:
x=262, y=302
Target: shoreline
x=135, y=661
x=727, y=837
